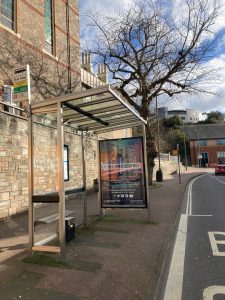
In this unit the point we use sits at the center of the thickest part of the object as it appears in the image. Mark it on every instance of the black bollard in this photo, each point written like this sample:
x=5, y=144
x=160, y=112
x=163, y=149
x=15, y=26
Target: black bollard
x=159, y=175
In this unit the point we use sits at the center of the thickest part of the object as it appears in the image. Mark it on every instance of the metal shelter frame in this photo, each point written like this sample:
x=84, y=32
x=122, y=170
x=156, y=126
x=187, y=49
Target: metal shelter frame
x=97, y=110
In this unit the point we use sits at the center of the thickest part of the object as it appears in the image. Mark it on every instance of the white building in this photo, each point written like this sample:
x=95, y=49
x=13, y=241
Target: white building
x=187, y=115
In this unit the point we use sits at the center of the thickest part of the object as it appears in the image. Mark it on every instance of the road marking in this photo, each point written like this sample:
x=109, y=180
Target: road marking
x=201, y=216
x=175, y=278
x=216, y=178
x=213, y=290
x=189, y=198
x=215, y=242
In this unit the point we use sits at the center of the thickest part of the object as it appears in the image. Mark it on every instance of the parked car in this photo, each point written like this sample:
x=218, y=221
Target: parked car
x=220, y=169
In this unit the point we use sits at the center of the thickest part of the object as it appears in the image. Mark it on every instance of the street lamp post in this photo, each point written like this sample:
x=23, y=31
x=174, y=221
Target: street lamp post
x=198, y=154
x=159, y=175
x=185, y=149
x=178, y=160
x=199, y=164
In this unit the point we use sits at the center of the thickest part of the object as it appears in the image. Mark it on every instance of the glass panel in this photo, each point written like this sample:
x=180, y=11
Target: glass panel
x=48, y=25
x=203, y=143
x=220, y=142
x=220, y=154
x=7, y=13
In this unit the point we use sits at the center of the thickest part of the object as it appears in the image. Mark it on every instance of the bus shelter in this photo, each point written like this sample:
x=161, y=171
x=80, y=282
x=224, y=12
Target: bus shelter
x=97, y=110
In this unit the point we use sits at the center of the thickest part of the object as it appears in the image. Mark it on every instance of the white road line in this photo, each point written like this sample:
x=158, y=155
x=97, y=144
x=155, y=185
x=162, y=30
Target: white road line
x=189, y=197
x=214, y=242
x=216, y=178
x=188, y=200
x=175, y=279
x=201, y=216
x=212, y=291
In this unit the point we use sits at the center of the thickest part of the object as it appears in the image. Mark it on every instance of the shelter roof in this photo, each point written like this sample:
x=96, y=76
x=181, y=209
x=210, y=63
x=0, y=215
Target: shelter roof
x=98, y=109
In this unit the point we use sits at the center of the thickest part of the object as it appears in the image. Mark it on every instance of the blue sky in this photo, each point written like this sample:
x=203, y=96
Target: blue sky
x=200, y=102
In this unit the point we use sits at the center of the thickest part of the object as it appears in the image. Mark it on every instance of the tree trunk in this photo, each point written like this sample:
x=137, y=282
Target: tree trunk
x=151, y=165
x=151, y=152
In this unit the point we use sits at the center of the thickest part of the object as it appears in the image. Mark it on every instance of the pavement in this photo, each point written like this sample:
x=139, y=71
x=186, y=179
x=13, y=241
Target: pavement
x=119, y=256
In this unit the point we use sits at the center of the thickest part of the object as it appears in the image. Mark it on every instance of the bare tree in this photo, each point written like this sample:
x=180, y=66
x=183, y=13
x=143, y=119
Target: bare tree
x=150, y=52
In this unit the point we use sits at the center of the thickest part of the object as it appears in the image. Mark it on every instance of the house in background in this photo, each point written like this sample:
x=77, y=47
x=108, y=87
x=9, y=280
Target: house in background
x=207, y=144
x=186, y=116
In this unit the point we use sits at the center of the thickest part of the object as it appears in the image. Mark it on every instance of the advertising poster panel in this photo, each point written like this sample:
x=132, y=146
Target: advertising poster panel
x=122, y=173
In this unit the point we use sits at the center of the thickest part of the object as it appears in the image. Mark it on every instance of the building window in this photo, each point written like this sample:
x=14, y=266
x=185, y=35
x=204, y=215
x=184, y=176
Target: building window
x=7, y=16
x=48, y=20
x=221, y=158
x=220, y=142
x=202, y=142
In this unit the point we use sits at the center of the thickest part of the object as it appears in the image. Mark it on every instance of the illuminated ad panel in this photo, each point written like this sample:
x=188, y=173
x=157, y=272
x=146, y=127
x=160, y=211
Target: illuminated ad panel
x=122, y=173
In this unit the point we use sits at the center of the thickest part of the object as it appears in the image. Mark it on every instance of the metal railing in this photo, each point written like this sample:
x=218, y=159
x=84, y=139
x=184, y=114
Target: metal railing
x=11, y=108
x=167, y=157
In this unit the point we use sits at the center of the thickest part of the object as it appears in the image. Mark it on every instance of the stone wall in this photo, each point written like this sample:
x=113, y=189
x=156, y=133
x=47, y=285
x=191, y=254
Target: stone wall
x=167, y=167
x=13, y=165
x=14, y=162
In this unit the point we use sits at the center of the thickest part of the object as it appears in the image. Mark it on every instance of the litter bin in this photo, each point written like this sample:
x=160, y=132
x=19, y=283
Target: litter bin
x=70, y=228
x=159, y=176
x=96, y=186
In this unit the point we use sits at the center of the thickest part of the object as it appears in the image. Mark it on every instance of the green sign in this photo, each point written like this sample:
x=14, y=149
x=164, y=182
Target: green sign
x=20, y=89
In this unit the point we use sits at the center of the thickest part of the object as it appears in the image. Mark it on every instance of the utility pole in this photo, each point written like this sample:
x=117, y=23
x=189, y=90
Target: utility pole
x=159, y=175
x=199, y=151
x=178, y=159
x=185, y=149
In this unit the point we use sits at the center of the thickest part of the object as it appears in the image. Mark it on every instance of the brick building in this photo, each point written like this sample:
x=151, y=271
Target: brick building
x=45, y=35
x=207, y=144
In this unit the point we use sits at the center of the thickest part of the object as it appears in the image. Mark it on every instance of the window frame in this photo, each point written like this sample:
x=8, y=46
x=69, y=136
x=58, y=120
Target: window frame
x=220, y=141
x=202, y=143
x=53, y=51
x=14, y=18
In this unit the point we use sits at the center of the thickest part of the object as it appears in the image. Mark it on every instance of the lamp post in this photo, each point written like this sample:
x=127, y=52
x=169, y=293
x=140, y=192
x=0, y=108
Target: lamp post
x=185, y=149
x=178, y=160
x=199, y=164
x=198, y=154
x=159, y=175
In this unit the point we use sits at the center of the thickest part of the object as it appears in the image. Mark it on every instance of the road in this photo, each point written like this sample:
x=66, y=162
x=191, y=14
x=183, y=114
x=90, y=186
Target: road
x=197, y=269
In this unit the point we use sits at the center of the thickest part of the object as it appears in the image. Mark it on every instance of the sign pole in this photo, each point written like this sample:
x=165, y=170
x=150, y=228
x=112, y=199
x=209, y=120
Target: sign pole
x=178, y=159
x=18, y=75
x=30, y=180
